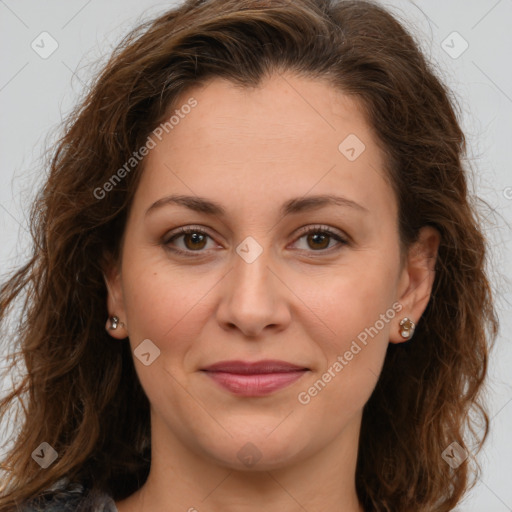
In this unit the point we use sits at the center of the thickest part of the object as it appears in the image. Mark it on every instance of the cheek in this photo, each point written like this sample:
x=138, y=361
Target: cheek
x=164, y=305
x=359, y=310
x=361, y=300
x=352, y=298
x=163, y=302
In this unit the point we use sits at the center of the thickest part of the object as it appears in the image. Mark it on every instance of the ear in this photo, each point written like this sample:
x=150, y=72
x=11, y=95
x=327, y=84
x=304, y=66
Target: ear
x=115, y=300
x=416, y=279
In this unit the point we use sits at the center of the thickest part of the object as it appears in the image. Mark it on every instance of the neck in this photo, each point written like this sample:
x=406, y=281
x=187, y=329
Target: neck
x=181, y=479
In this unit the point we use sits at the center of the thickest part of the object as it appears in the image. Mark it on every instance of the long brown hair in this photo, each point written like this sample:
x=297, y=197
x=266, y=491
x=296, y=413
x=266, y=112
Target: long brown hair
x=80, y=392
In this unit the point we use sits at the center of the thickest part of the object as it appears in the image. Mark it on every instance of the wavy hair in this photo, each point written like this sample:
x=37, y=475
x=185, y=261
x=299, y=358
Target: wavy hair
x=80, y=392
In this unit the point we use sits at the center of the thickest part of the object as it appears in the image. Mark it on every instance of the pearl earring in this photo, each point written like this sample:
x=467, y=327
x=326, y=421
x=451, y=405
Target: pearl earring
x=114, y=323
x=407, y=327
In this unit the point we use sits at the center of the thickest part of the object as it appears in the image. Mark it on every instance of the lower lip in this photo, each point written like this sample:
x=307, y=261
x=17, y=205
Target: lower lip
x=255, y=384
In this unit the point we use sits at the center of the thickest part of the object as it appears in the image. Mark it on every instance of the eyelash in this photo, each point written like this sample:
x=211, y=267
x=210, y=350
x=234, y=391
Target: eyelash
x=318, y=229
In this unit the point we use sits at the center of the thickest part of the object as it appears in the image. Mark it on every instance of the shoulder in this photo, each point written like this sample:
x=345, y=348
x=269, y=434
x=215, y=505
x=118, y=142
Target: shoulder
x=68, y=497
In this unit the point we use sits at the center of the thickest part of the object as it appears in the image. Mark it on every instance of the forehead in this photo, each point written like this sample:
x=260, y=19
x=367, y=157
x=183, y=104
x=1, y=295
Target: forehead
x=290, y=135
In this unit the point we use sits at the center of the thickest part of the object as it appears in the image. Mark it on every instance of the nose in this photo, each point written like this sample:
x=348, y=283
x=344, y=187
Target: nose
x=254, y=298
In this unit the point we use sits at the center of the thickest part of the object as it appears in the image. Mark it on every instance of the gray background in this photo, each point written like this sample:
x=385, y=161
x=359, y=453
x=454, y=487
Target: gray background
x=36, y=93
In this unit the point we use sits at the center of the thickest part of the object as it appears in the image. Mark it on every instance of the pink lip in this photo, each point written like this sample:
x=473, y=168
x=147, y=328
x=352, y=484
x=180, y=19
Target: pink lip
x=254, y=379
x=248, y=368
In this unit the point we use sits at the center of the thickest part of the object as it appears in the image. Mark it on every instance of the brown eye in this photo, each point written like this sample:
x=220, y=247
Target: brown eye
x=318, y=240
x=194, y=241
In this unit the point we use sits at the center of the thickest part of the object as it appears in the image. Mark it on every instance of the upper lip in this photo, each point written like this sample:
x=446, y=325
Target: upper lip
x=257, y=367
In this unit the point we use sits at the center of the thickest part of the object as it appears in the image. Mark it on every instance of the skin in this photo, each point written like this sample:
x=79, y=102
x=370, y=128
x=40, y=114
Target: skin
x=302, y=300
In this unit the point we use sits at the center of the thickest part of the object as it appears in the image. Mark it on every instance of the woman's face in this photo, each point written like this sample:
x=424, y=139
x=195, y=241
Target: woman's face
x=255, y=171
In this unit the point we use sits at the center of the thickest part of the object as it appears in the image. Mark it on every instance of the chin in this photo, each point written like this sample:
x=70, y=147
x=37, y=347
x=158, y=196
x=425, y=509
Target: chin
x=259, y=452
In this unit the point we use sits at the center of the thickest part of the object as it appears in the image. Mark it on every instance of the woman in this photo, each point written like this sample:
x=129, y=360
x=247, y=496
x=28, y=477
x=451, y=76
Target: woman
x=256, y=275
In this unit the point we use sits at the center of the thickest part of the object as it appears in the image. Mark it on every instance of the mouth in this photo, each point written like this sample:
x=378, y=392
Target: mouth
x=254, y=379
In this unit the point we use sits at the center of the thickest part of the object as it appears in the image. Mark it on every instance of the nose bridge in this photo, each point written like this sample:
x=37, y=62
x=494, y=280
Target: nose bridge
x=253, y=298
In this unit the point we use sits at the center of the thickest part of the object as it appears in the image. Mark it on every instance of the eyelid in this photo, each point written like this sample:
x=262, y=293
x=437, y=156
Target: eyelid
x=322, y=228
x=341, y=237
x=183, y=230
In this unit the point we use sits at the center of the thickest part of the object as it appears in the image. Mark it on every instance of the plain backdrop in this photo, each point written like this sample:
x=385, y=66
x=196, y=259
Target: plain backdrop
x=470, y=42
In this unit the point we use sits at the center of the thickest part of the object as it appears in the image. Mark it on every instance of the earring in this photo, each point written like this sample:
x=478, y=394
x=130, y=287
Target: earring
x=407, y=327
x=114, y=322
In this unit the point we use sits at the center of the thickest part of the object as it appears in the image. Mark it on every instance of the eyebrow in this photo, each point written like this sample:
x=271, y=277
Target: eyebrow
x=292, y=206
